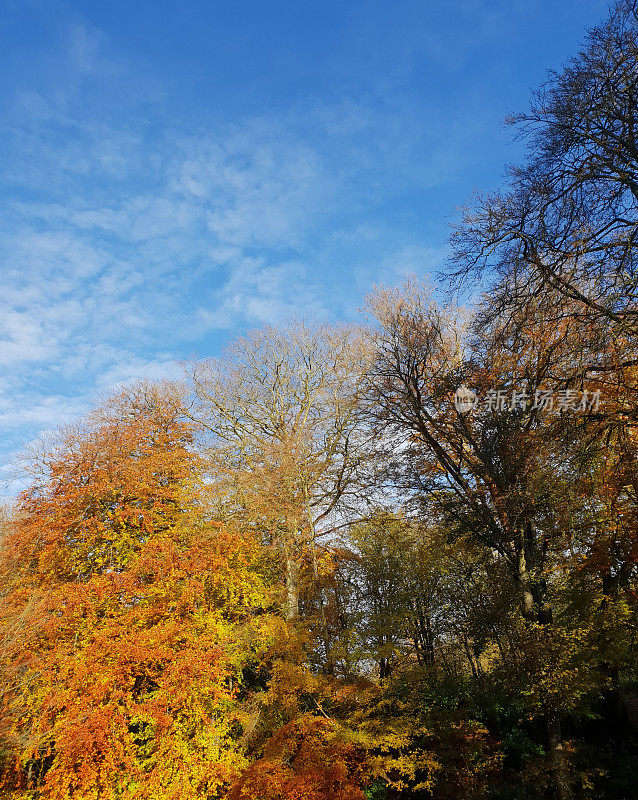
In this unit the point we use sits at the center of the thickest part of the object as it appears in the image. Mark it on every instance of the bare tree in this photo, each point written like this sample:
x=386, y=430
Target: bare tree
x=288, y=437
x=569, y=220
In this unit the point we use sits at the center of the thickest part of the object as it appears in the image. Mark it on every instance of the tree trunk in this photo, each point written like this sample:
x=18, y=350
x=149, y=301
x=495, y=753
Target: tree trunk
x=292, y=587
x=532, y=592
x=525, y=584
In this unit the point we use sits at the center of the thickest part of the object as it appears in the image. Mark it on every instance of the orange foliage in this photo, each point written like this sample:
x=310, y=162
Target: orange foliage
x=308, y=759
x=124, y=682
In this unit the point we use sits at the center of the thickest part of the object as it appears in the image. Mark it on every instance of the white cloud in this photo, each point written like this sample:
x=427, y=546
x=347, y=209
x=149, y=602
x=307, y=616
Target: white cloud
x=22, y=339
x=127, y=371
x=131, y=240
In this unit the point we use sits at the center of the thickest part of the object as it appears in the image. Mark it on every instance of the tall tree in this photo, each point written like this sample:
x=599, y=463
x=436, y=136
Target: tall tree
x=287, y=434
x=569, y=219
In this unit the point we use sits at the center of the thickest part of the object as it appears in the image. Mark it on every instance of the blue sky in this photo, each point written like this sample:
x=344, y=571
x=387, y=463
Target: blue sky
x=173, y=173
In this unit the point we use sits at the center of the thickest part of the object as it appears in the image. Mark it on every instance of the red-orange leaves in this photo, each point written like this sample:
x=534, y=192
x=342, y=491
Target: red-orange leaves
x=123, y=680
x=308, y=759
x=109, y=485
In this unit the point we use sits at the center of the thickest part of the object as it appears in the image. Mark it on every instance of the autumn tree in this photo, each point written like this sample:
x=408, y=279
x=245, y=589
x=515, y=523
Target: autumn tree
x=475, y=467
x=392, y=567
x=505, y=474
x=147, y=610
x=557, y=248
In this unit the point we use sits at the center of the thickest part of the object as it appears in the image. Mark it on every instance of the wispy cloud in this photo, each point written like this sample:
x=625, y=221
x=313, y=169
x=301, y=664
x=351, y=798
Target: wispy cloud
x=136, y=231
